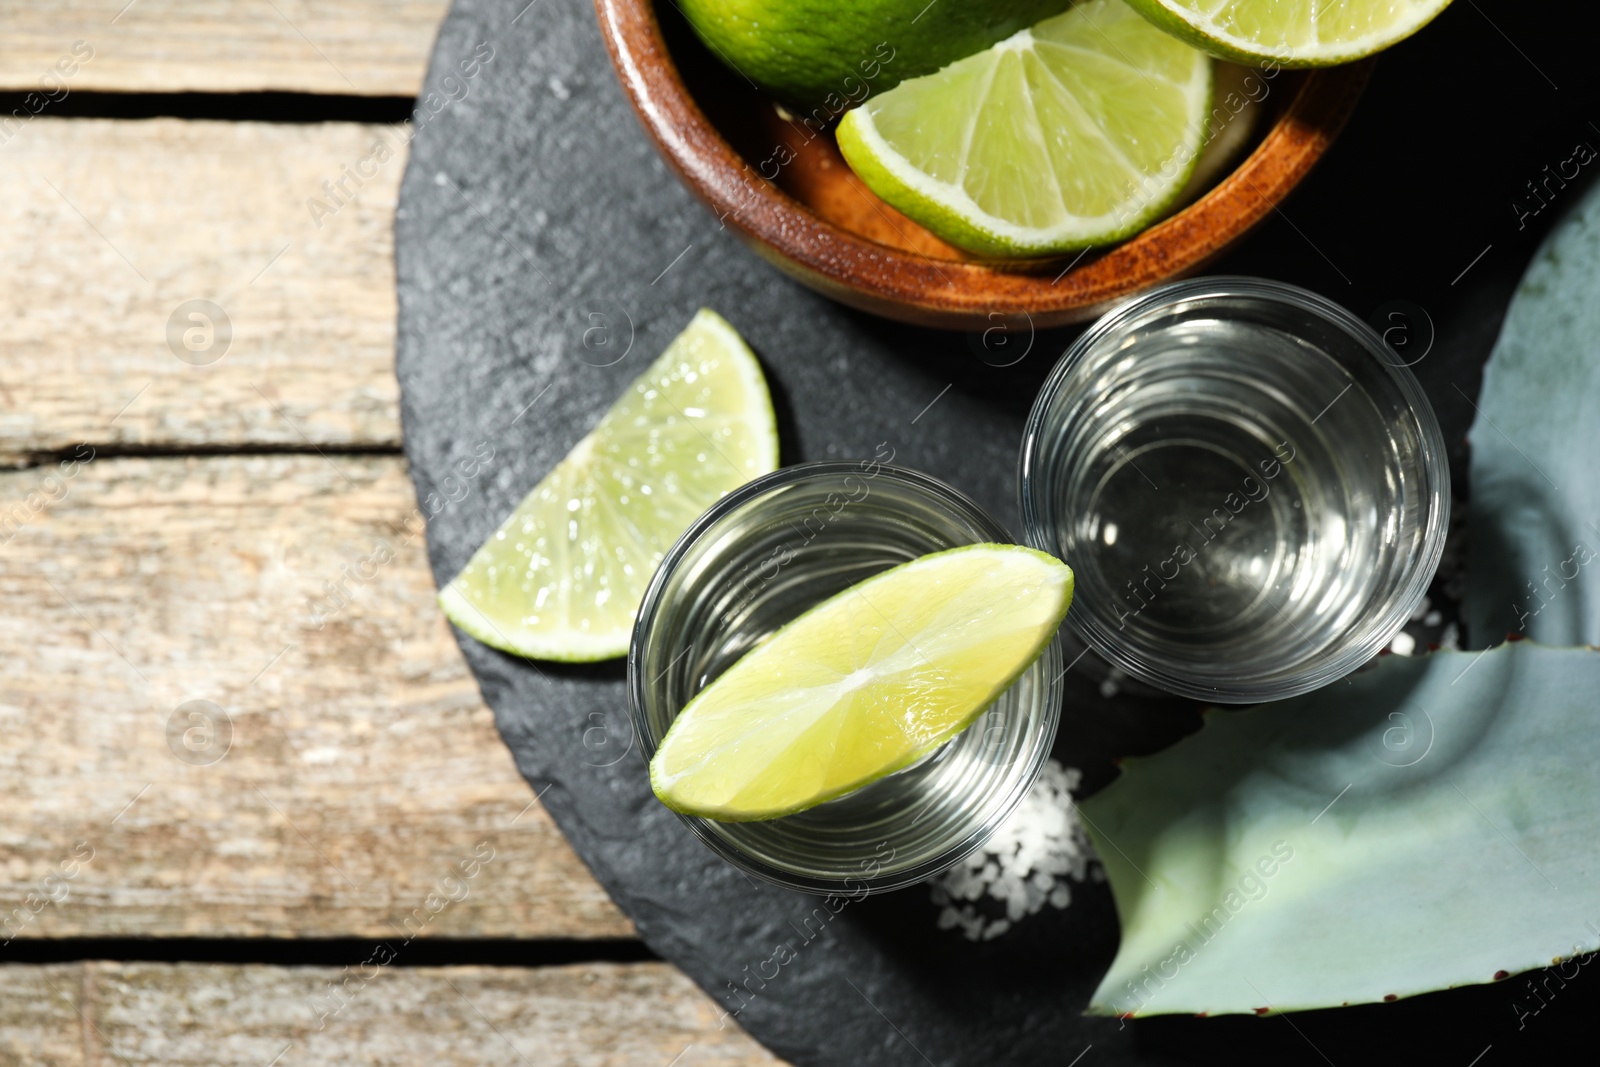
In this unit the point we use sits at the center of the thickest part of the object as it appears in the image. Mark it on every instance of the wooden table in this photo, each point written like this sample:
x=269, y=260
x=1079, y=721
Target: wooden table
x=170, y=529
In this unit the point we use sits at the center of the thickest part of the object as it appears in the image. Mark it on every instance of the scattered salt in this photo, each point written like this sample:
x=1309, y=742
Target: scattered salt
x=1450, y=637
x=1029, y=863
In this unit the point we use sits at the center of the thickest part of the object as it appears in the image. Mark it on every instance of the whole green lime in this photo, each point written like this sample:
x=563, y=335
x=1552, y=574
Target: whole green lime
x=826, y=56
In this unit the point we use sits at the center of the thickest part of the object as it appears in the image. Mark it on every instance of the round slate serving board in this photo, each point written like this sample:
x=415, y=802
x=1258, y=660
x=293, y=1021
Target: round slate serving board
x=545, y=255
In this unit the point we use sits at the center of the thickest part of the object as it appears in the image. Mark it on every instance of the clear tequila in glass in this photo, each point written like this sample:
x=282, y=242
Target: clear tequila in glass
x=1250, y=487
x=762, y=556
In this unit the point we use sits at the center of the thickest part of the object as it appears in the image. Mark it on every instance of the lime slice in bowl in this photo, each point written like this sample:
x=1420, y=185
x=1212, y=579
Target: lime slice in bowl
x=1291, y=33
x=862, y=685
x=1077, y=132
x=562, y=577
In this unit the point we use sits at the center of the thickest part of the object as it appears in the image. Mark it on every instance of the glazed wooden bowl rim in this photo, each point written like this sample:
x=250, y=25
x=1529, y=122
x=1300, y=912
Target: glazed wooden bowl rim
x=954, y=293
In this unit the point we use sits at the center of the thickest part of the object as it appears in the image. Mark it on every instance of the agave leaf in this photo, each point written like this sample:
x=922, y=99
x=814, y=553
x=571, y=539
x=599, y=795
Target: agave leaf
x=1533, y=532
x=1428, y=823
x=1413, y=827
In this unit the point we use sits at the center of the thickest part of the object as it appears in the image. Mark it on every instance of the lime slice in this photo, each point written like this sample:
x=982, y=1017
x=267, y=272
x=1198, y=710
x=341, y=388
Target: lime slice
x=1291, y=33
x=1076, y=132
x=562, y=578
x=862, y=685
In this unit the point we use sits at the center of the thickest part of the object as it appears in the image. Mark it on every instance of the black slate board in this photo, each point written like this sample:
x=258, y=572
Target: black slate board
x=533, y=202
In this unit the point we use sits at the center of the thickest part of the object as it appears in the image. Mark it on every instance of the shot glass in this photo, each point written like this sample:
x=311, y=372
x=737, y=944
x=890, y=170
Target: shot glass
x=763, y=555
x=1249, y=484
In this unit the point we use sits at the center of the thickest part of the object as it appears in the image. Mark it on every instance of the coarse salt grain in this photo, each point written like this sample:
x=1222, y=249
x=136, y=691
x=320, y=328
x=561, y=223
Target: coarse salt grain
x=1450, y=637
x=1029, y=863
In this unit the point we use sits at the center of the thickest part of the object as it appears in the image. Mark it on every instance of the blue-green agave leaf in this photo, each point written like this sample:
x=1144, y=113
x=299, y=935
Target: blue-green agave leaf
x=1429, y=823
x=1534, y=518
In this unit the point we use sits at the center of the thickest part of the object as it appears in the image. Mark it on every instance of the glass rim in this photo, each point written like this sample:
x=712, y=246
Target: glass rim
x=765, y=483
x=1435, y=467
x=855, y=885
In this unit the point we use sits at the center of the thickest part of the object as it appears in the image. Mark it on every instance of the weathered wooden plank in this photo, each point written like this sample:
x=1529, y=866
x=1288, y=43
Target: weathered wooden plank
x=112, y=228
x=368, y=47
x=218, y=1015
x=363, y=776
x=39, y=1021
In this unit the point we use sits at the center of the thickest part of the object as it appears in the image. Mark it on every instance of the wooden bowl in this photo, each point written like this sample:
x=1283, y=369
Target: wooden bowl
x=810, y=216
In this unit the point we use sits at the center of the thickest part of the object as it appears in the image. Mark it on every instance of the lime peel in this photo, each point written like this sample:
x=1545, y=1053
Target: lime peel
x=864, y=684
x=1291, y=33
x=825, y=56
x=562, y=577
x=1078, y=131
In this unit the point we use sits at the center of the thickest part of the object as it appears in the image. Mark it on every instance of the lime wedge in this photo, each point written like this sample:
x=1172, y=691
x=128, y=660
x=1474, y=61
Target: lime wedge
x=1291, y=33
x=862, y=685
x=562, y=578
x=1076, y=132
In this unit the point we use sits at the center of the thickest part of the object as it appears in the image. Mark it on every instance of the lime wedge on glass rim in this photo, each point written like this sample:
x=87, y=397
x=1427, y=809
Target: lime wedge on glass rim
x=562, y=577
x=1078, y=131
x=1291, y=33
x=862, y=685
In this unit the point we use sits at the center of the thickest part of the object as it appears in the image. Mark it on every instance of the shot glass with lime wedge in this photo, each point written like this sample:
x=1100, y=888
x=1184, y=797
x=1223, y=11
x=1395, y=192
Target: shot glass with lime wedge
x=845, y=678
